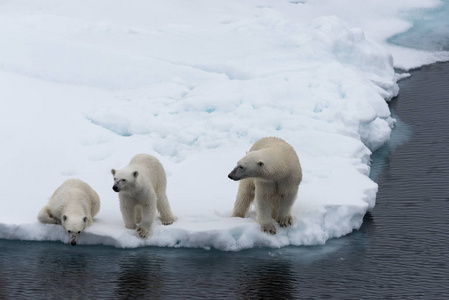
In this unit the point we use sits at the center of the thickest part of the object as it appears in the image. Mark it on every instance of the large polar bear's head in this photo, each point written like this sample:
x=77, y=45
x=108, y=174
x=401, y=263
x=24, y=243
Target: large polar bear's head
x=254, y=164
x=74, y=226
x=124, y=179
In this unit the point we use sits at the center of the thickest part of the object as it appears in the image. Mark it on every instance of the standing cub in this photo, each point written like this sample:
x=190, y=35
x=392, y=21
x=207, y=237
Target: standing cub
x=270, y=173
x=142, y=188
x=73, y=205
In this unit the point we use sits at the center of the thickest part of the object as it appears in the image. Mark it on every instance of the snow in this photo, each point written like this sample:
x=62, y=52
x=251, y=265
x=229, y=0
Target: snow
x=87, y=85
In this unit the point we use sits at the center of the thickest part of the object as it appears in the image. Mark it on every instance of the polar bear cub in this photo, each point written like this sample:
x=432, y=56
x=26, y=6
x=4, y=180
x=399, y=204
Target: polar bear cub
x=73, y=205
x=270, y=173
x=142, y=188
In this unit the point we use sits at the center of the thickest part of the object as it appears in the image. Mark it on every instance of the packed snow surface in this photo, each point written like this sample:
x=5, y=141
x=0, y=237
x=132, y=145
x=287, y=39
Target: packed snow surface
x=84, y=86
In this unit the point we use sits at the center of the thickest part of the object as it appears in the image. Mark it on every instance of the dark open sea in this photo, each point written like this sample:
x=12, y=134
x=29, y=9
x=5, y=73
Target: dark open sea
x=400, y=252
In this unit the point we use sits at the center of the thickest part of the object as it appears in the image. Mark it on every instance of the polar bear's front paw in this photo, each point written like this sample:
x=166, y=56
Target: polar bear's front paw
x=168, y=221
x=142, y=232
x=268, y=228
x=285, y=221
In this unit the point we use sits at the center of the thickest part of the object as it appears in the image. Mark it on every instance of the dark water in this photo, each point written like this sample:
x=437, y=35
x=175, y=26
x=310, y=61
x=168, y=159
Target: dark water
x=400, y=252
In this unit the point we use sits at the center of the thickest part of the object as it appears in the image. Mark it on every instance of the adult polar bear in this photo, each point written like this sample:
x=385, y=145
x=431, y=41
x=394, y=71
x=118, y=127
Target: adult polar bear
x=270, y=173
x=142, y=188
x=73, y=205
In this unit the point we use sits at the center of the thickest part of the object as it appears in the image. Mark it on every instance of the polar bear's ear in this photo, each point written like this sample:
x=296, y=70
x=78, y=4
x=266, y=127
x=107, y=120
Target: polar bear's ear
x=85, y=219
x=64, y=218
x=260, y=163
x=113, y=171
x=135, y=174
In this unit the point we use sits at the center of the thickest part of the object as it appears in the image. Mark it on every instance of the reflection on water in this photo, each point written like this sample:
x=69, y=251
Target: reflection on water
x=54, y=271
x=138, y=274
x=400, y=252
x=263, y=280
x=400, y=135
x=49, y=270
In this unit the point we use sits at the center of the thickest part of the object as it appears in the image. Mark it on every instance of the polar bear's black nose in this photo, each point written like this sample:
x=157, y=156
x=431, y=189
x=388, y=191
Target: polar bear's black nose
x=73, y=243
x=115, y=188
x=233, y=175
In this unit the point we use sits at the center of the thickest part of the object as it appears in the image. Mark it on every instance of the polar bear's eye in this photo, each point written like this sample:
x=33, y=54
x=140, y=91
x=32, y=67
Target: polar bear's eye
x=69, y=231
x=124, y=180
x=79, y=232
x=241, y=167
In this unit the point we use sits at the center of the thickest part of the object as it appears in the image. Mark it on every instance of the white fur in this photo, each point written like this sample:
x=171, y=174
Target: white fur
x=142, y=189
x=270, y=173
x=73, y=205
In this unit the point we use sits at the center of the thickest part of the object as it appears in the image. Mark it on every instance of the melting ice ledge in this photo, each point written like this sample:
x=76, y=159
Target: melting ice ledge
x=195, y=90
